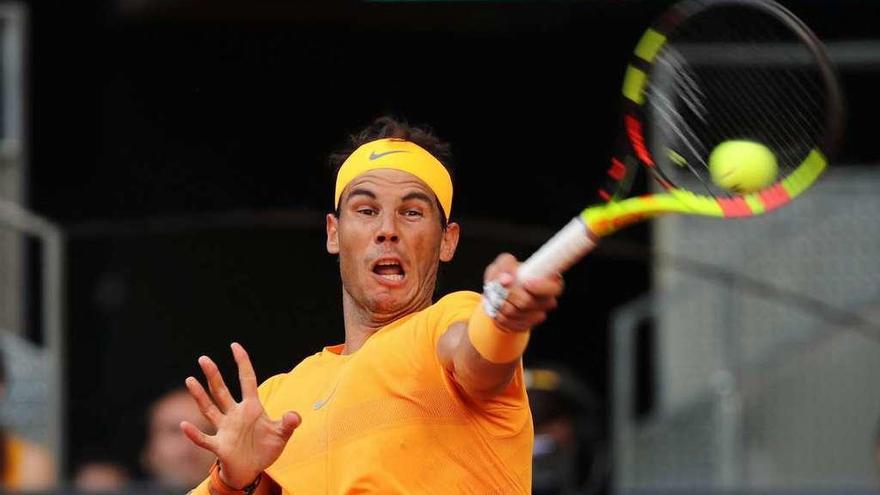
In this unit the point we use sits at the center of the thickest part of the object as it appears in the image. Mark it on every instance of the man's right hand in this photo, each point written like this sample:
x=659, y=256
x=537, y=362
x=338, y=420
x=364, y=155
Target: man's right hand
x=247, y=441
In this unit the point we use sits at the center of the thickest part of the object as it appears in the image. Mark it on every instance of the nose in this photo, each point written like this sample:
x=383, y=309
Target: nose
x=387, y=230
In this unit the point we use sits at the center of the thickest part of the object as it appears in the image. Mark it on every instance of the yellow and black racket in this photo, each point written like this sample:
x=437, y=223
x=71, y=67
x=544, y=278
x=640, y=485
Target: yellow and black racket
x=731, y=105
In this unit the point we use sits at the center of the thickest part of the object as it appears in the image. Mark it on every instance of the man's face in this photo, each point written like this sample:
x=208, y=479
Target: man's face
x=170, y=458
x=389, y=241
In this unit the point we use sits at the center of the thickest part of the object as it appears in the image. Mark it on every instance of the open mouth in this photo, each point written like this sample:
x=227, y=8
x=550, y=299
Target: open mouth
x=390, y=270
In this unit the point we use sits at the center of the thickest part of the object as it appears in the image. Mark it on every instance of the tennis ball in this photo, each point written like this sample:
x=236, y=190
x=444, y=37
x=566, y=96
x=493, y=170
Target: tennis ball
x=742, y=166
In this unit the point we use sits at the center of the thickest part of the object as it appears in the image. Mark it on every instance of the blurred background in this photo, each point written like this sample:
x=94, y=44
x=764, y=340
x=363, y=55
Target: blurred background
x=163, y=186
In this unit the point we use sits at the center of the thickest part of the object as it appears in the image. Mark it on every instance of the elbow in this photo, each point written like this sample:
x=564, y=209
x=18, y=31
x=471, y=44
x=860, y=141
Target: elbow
x=483, y=386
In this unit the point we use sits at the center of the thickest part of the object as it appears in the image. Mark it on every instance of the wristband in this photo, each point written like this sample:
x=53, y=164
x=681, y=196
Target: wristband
x=218, y=487
x=495, y=344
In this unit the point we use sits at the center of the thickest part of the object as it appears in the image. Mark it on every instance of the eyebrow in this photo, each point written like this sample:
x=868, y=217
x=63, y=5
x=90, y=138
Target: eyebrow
x=362, y=192
x=409, y=196
x=418, y=195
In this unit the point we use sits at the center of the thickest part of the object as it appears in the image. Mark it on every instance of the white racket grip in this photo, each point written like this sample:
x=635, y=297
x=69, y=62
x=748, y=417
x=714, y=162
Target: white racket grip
x=556, y=256
x=559, y=253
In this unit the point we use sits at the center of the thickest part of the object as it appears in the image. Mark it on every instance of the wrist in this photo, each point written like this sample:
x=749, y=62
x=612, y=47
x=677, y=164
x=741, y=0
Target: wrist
x=493, y=343
x=220, y=486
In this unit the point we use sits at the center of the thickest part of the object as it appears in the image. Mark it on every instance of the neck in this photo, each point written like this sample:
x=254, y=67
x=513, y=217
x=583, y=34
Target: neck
x=362, y=322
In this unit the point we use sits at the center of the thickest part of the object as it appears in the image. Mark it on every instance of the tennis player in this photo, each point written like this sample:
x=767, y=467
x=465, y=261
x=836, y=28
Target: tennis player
x=422, y=397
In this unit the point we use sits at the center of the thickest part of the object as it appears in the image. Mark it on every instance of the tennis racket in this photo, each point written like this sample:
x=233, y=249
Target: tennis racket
x=705, y=73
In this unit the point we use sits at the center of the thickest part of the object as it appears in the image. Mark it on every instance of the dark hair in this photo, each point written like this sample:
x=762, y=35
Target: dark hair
x=388, y=126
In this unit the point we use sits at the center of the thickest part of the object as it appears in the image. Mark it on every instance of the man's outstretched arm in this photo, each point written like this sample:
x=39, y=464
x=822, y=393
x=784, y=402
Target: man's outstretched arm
x=483, y=353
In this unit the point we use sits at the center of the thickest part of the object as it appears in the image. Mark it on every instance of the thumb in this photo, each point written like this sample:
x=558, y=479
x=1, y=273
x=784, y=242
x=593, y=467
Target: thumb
x=289, y=422
x=197, y=437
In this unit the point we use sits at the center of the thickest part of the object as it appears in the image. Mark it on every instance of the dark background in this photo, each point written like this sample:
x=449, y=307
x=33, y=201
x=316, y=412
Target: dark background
x=183, y=146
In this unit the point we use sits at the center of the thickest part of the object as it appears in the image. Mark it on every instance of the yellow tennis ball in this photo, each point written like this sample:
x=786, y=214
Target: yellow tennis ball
x=742, y=166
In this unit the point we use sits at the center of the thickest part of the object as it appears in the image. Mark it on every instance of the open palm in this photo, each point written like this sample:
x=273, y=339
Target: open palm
x=247, y=440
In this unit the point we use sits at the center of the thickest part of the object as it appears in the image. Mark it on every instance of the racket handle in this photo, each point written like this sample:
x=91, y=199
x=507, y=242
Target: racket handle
x=558, y=254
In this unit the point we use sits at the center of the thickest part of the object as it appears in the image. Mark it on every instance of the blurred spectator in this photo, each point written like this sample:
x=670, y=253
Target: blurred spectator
x=169, y=458
x=24, y=466
x=568, y=457
x=101, y=475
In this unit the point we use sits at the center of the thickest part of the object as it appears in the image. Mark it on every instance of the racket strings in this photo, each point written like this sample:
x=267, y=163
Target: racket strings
x=800, y=106
x=748, y=100
x=678, y=123
x=692, y=96
x=772, y=94
x=734, y=74
x=775, y=128
x=805, y=116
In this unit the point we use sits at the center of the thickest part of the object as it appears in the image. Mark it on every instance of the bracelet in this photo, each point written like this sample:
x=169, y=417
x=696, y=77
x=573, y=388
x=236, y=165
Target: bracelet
x=221, y=488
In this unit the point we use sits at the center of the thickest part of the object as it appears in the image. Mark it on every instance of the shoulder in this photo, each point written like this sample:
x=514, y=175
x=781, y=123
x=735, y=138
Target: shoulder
x=454, y=306
x=281, y=380
x=451, y=308
x=462, y=297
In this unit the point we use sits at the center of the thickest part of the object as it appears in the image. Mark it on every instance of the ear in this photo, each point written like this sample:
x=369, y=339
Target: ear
x=449, y=242
x=332, y=234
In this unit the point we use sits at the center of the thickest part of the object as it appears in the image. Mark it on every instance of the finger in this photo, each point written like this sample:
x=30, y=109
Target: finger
x=222, y=398
x=521, y=322
x=526, y=316
x=545, y=286
x=206, y=405
x=546, y=304
x=506, y=279
x=517, y=315
x=520, y=300
x=288, y=423
x=504, y=263
x=199, y=438
x=246, y=375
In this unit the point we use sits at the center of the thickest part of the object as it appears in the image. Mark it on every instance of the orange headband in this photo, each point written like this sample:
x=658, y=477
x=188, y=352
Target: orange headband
x=401, y=155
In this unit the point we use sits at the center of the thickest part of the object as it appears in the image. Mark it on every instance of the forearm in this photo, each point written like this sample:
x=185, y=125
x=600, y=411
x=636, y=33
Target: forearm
x=484, y=353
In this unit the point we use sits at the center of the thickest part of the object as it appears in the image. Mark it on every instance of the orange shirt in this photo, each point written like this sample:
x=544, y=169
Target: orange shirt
x=14, y=448
x=390, y=419
x=27, y=467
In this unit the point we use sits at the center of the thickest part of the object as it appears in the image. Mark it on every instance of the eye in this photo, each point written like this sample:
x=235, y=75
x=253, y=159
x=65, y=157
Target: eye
x=366, y=211
x=413, y=213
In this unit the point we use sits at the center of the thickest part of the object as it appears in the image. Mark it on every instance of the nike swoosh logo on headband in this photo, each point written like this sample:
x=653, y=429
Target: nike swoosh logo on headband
x=376, y=156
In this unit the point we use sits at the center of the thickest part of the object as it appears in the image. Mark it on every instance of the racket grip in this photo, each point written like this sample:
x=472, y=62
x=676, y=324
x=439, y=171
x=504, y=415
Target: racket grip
x=558, y=254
